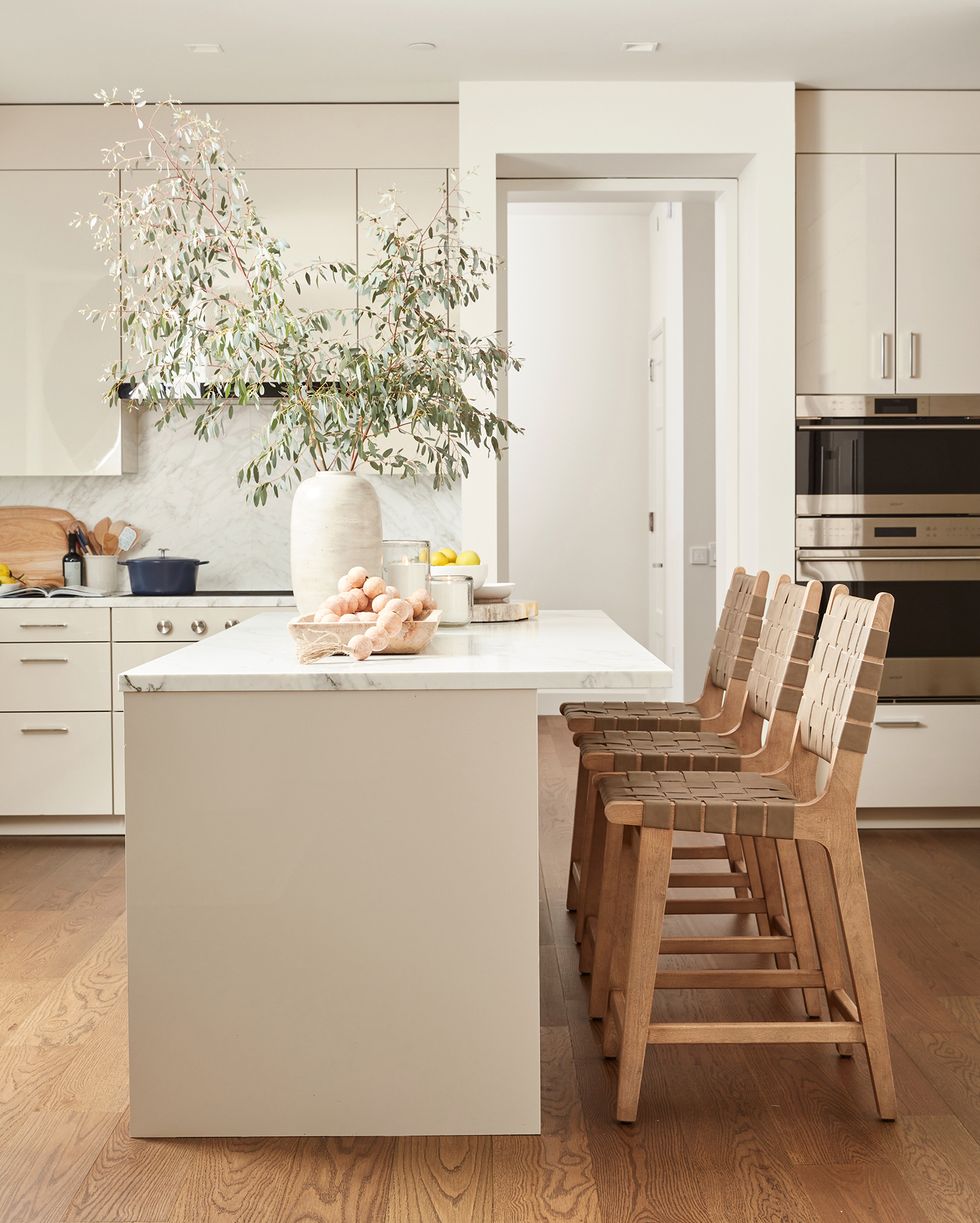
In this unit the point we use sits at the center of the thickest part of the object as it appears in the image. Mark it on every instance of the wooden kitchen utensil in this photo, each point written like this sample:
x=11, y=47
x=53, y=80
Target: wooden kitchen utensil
x=38, y=511
x=129, y=536
x=110, y=543
x=99, y=530
x=33, y=548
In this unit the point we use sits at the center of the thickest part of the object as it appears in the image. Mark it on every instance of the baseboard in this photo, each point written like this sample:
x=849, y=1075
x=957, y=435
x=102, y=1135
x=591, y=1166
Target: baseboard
x=918, y=817
x=62, y=825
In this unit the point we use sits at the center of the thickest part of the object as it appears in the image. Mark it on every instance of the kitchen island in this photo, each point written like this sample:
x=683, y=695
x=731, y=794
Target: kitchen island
x=332, y=878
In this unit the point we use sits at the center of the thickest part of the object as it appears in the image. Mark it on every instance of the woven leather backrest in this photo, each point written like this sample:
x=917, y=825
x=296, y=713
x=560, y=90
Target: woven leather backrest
x=779, y=668
x=841, y=689
x=738, y=628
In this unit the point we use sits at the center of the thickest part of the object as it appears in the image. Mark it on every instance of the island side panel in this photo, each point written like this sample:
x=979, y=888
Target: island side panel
x=333, y=904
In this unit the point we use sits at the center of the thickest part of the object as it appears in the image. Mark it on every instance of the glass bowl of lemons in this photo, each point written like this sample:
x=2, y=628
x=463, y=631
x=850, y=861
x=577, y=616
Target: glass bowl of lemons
x=464, y=564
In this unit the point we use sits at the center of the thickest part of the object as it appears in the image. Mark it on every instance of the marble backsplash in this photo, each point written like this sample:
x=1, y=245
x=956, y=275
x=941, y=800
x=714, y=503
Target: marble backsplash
x=185, y=497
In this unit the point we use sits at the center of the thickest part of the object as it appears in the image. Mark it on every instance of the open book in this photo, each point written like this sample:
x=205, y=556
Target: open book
x=49, y=592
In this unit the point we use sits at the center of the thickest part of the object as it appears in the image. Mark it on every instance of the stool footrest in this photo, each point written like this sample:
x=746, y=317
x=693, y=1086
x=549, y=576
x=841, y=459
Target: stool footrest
x=740, y=978
x=710, y=879
x=736, y=944
x=816, y=1032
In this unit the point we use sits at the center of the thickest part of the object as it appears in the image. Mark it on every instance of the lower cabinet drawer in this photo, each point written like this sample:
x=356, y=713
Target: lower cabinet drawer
x=49, y=675
x=923, y=756
x=55, y=764
x=177, y=623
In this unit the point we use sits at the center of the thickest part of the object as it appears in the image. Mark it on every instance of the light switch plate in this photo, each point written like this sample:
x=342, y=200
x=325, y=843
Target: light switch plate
x=699, y=556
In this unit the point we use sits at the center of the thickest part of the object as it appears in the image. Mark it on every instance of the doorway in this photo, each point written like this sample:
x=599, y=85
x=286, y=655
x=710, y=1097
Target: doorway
x=610, y=493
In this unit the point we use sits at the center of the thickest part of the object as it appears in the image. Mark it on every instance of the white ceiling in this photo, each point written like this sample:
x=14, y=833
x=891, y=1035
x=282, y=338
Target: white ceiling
x=329, y=50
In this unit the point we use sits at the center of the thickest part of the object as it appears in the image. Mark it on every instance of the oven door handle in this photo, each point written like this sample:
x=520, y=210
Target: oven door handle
x=811, y=555
x=839, y=427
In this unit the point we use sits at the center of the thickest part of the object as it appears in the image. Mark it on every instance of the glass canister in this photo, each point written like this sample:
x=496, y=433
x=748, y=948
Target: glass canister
x=453, y=594
x=405, y=564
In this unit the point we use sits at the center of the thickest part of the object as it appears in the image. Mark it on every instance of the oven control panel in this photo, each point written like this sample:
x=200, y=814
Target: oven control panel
x=939, y=532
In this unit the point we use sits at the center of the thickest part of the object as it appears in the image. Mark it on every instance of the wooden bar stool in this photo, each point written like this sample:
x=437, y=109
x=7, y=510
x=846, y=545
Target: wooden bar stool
x=775, y=689
x=833, y=724
x=719, y=708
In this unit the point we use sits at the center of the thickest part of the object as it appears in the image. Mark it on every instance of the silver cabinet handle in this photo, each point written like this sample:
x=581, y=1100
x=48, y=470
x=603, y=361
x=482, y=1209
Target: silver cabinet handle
x=883, y=354
x=42, y=626
x=44, y=730
x=900, y=724
x=231, y=623
x=913, y=354
x=199, y=627
x=165, y=627
x=44, y=660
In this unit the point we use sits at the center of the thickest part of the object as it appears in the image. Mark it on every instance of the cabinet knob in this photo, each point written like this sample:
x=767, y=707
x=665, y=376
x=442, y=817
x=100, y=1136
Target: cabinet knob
x=165, y=627
x=199, y=627
x=231, y=623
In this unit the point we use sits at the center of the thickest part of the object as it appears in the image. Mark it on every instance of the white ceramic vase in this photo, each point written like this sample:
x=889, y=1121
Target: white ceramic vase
x=336, y=524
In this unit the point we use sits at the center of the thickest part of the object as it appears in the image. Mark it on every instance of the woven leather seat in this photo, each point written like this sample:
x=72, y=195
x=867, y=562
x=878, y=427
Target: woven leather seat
x=748, y=804
x=621, y=751
x=585, y=716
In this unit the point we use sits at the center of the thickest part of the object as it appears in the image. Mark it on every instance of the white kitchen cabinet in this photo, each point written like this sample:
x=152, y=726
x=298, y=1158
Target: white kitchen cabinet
x=845, y=273
x=923, y=756
x=937, y=273
x=51, y=675
x=55, y=764
x=54, y=420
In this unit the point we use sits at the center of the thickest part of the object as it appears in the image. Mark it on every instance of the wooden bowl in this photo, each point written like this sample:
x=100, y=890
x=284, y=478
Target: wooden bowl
x=413, y=639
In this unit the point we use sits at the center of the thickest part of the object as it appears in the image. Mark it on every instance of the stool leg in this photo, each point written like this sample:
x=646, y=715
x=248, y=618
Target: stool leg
x=852, y=898
x=578, y=832
x=823, y=911
x=768, y=866
x=799, y=920
x=755, y=882
x=585, y=861
x=604, y=926
x=736, y=856
x=646, y=925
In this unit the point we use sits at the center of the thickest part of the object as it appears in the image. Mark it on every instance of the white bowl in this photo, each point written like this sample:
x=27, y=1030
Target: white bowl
x=477, y=572
x=496, y=592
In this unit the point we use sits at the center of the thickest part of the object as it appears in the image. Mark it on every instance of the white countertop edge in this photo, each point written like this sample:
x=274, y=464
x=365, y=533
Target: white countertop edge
x=196, y=600
x=581, y=651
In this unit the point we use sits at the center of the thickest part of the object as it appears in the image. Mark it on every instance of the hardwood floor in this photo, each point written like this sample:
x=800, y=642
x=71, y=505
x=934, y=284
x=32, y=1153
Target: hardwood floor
x=724, y=1135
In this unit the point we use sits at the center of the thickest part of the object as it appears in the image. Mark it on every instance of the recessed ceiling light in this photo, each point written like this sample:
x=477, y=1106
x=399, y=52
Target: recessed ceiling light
x=421, y=46
x=640, y=47
x=205, y=48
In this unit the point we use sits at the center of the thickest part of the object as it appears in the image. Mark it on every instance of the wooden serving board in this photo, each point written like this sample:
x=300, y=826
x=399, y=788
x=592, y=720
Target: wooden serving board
x=504, y=613
x=34, y=547
x=37, y=511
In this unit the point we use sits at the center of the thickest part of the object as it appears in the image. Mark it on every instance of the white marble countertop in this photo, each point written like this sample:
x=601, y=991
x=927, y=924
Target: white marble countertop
x=201, y=599
x=561, y=649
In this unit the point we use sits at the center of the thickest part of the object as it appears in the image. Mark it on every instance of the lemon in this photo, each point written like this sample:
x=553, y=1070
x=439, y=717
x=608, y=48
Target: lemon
x=449, y=554
x=8, y=581
x=468, y=558
x=4, y=571
x=438, y=558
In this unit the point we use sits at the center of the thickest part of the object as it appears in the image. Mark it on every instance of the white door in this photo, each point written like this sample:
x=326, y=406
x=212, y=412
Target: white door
x=937, y=302
x=657, y=523
x=845, y=273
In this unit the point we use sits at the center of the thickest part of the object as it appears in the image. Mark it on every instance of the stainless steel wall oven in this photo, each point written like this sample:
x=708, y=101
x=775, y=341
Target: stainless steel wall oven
x=888, y=498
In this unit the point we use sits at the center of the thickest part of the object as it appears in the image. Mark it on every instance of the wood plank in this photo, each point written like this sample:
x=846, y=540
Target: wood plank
x=43, y=1160
x=339, y=1180
x=68, y=1013
x=861, y=1193
x=57, y=946
x=939, y=1162
x=244, y=1179
x=539, y=1179
x=97, y=1076
x=132, y=1179
x=440, y=1179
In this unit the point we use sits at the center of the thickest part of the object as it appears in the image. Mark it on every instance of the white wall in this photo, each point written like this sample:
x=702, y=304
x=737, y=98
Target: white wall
x=578, y=313
x=682, y=297
x=650, y=120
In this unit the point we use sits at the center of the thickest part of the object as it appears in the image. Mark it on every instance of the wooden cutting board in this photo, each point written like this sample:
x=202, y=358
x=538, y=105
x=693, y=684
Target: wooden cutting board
x=37, y=511
x=504, y=613
x=34, y=547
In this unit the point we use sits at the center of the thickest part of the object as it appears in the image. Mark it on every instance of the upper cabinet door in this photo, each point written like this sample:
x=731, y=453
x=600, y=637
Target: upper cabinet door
x=315, y=211
x=845, y=273
x=937, y=294
x=54, y=419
